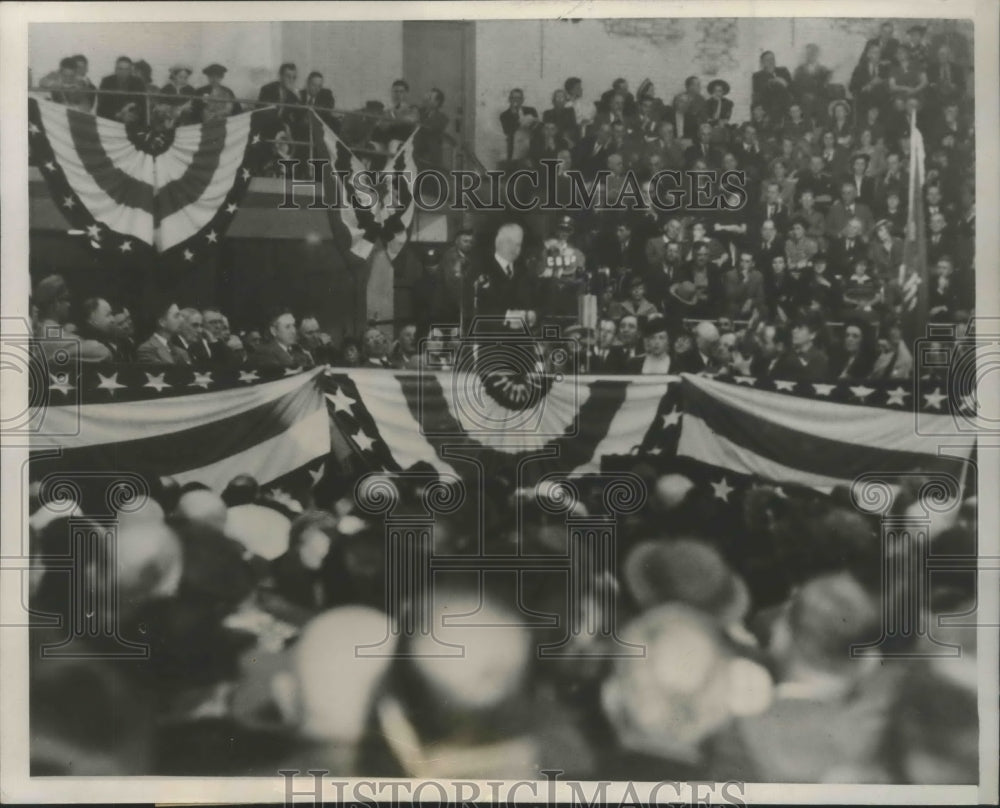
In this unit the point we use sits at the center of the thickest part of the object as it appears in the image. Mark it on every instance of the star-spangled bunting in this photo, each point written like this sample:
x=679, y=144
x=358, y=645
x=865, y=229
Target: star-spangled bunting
x=126, y=247
x=95, y=383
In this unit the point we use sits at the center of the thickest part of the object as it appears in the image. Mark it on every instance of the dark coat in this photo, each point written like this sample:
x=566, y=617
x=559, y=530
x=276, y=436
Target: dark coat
x=271, y=354
x=498, y=294
x=108, y=106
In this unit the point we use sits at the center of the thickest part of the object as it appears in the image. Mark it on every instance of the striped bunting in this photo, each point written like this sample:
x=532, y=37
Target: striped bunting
x=788, y=439
x=449, y=421
x=353, y=220
x=263, y=428
x=170, y=191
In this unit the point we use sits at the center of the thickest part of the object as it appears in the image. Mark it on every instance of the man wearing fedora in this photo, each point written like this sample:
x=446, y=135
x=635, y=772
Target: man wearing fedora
x=218, y=100
x=718, y=108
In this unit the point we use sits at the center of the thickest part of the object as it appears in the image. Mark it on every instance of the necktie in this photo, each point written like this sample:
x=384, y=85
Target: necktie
x=770, y=211
x=850, y=244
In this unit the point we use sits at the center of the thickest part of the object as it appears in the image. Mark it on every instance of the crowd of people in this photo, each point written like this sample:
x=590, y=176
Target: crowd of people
x=812, y=278
x=253, y=602
x=130, y=96
x=823, y=234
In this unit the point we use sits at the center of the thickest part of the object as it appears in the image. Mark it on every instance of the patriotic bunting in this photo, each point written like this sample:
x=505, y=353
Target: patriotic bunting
x=170, y=193
x=205, y=426
x=209, y=425
x=822, y=444
x=371, y=210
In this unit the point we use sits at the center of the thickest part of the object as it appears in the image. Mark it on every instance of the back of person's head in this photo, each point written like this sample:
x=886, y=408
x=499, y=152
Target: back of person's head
x=331, y=688
x=933, y=731
x=824, y=619
x=685, y=571
x=688, y=684
x=489, y=654
x=49, y=291
x=240, y=490
x=149, y=560
x=204, y=506
x=260, y=529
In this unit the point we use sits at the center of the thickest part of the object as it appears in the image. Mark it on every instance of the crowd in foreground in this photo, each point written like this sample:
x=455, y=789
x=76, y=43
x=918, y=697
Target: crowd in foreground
x=252, y=605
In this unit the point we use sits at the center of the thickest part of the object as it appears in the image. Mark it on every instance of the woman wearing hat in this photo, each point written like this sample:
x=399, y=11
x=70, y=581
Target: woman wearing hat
x=183, y=106
x=718, y=109
x=220, y=100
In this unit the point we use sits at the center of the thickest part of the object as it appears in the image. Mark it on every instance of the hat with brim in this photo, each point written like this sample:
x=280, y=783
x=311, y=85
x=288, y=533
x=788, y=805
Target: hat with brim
x=685, y=571
x=840, y=102
x=684, y=292
x=181, y=69
x=881, y=223
x=214, y=69
x=656, y=324
x=718, y=83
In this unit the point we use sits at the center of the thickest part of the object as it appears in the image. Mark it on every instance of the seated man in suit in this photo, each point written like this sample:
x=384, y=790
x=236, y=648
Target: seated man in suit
x=218, y=339
x=191, y=337
x=96, y=332
x=282, y=350
x=701, y=357
x=319, y=98
x=127, y=102
x=160, y=348
x=517, y=116
x=744, y=288
x=282, y=92
x=847, y=249
x=591, y=153
x=376, y=349
x=703, y=149
x=606, y=356
x=845, y=209
x=657, y=343
x=628, y=339
x=773, y=208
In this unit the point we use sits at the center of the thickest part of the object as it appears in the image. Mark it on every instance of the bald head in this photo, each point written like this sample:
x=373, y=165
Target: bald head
x=706, y=335
x=204, y=507
x=496, y=653
x=149, y=558
x=334, y=685
x=508, y=241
